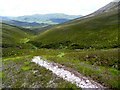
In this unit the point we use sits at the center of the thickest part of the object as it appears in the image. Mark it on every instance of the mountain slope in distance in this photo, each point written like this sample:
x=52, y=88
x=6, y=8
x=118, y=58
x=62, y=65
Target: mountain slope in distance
x=29, y=25
x=98, y=31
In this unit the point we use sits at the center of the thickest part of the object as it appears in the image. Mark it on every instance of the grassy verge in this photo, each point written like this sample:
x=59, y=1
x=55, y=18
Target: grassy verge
x=100, y=65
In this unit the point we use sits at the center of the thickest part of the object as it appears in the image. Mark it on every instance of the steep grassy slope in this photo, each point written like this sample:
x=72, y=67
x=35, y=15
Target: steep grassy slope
x=13, y=34
x=99, y=31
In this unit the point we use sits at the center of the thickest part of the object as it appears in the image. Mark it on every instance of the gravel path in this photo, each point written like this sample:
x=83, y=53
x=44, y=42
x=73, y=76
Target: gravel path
x=67, y=74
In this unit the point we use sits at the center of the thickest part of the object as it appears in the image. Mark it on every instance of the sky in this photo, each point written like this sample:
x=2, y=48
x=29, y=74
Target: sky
x=29, y=7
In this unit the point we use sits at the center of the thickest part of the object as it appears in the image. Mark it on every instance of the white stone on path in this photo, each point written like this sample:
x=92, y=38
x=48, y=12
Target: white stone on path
x=65, y=74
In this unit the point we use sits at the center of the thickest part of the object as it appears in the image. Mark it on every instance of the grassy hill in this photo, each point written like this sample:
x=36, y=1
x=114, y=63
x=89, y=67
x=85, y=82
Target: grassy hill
x=99, y=31
x=13, y=36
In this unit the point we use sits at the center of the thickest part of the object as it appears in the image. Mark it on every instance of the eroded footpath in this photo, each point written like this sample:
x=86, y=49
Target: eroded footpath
x=67, y=74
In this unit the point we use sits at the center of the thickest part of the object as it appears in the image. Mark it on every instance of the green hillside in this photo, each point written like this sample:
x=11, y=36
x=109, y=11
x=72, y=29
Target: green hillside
x=13, y=36
x=100, y=31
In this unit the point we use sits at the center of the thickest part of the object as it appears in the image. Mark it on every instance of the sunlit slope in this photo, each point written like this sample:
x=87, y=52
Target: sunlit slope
x=98, y=31
x=13, y=34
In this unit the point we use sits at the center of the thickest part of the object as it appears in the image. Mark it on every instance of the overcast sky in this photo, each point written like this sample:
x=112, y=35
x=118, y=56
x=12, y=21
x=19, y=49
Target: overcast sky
x=29, y=7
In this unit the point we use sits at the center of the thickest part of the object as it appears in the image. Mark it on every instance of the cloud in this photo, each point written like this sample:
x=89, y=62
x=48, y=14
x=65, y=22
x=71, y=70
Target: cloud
x=27, y=7
x=116, y=0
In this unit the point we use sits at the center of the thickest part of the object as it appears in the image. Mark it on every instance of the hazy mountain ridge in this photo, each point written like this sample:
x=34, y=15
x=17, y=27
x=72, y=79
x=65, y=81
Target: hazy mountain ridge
x=38, y=20
x=44, y=18
x=23, y=24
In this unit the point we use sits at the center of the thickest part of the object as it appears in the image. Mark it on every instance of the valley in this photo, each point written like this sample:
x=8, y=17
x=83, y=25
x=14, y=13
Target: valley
x=88, y=46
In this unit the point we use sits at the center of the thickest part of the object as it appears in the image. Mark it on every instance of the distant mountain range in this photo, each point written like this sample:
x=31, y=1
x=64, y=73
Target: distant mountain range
x=45, y=18
x=38, y=20
x=24, y=24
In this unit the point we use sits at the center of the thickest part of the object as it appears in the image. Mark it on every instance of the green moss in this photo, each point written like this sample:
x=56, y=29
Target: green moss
x=27, y=63
x=2, y=74
x=25, y=68
x=61, y=54
x=114, y=71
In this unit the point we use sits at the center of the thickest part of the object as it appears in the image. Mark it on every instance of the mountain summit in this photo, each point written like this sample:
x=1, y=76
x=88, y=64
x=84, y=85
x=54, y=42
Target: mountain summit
x=109, y=7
